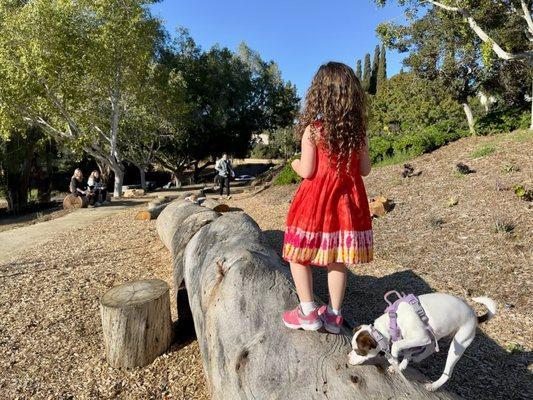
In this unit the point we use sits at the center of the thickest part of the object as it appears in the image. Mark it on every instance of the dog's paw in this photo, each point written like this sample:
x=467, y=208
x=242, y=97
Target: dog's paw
x=393, y=369
x=430, y=387
x=403, y=365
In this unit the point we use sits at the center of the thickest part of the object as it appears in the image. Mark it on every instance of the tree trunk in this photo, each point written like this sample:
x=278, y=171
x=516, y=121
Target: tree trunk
x=143, y=177
x=136, y=322
x=531, y=126
x=469, y=118
x=231, y=275
x=119, y=179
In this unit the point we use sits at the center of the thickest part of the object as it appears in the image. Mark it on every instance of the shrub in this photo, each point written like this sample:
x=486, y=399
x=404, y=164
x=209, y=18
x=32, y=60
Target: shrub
x=287, y=175
x=262, y=150
x=503, y=120
x=380, y=148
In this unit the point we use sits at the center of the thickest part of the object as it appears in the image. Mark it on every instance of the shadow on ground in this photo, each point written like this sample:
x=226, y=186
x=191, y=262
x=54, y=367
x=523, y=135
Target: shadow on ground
x=486, y=370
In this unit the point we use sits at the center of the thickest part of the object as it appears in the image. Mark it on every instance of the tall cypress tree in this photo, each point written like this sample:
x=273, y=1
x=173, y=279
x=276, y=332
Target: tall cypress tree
x=382, y=68
x=367, y=73
x=374, y=75
x=358, y=71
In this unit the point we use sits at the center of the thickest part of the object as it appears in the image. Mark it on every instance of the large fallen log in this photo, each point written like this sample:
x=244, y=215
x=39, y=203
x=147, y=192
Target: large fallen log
x=237, y=290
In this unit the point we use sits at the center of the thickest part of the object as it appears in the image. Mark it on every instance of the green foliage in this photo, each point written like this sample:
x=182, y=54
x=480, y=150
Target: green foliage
x=284, y=142
x=503, y=120
x=358, y=70
x=523, y=193
x=367, y=73
x=514, y=348
x=382, y=68
x=261, y=150
x=483, y=151
x=411, y=116
x=287, y=175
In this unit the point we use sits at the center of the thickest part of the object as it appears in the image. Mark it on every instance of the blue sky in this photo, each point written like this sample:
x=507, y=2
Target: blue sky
x=297, y=34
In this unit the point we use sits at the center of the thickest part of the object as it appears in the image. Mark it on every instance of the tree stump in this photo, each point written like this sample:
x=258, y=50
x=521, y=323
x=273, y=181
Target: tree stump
x=72, y=202
x=136, y=322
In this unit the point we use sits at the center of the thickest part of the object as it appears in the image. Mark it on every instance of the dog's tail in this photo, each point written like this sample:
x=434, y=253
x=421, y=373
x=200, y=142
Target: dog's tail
x=491, y=306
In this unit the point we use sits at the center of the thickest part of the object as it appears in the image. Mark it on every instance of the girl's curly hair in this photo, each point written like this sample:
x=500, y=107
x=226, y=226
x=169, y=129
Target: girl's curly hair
x=336, y=99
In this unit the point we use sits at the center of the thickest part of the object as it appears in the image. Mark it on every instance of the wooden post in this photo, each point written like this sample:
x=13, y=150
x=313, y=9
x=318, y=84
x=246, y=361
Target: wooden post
x=136, y=322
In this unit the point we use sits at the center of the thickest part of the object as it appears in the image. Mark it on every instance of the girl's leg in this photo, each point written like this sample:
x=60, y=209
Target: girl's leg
x=336, y=284
x=303, y=279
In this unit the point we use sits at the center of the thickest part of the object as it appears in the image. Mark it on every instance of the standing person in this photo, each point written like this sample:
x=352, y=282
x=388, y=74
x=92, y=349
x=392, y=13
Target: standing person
x=97, y=187
x=329, y=224
x=79, y=188
x=225, y=172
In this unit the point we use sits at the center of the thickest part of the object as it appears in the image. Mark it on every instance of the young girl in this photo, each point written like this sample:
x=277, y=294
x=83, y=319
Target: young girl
x=329, y=222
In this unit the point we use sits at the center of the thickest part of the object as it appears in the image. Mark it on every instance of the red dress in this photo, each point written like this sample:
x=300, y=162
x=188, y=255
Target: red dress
x=329, y=219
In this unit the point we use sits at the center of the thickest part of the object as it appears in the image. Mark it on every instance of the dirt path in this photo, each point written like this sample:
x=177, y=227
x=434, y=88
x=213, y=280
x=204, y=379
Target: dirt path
x=17, y=240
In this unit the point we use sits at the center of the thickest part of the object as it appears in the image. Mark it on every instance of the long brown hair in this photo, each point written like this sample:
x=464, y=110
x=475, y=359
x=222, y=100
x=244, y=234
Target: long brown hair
x=337, y=100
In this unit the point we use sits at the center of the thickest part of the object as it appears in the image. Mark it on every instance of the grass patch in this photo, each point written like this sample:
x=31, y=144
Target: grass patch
x=503, y=226
x=522, y=136
x=483, y=151
x=508, y=168
x=395, y=159
x=514, y=348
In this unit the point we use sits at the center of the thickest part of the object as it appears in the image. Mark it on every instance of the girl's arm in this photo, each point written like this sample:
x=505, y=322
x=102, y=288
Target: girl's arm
x=305, y=166
x=364, y=160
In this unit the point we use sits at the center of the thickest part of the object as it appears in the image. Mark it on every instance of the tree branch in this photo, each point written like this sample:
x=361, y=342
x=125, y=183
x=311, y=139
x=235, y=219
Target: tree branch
x=482, y=34
x=527, y=16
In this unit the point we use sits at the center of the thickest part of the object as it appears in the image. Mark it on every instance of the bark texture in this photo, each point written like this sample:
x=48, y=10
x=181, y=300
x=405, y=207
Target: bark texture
x=136, y=322
x=237, y=289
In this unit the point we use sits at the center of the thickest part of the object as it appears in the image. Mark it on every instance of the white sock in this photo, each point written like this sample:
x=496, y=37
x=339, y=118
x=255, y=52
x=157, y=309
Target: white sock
x=333, y=311
x=307, y=307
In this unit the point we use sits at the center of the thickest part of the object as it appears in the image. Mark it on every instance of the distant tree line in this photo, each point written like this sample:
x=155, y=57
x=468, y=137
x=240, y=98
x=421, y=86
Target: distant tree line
x=105, y=81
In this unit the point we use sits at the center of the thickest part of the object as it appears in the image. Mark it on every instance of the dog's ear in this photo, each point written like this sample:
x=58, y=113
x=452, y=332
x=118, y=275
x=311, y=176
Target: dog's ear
x=365, y=342
x=356, y=328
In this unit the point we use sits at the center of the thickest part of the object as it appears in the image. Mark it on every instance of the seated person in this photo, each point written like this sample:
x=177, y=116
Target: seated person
x=97, y=188
x=78, y=187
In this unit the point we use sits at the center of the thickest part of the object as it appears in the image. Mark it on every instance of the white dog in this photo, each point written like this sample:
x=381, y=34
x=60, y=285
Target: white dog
x=447, y=315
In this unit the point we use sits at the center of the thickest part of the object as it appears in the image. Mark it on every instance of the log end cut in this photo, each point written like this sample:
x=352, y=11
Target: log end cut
x=71, y=202
x=136, y=322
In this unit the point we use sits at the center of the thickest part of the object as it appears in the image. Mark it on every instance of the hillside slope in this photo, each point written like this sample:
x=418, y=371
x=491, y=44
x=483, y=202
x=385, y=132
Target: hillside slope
x=446, y=233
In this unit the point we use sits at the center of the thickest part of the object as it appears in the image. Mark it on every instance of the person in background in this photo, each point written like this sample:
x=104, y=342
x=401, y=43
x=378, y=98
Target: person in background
x=225, y=172
x=78, y=187
x=97, y=188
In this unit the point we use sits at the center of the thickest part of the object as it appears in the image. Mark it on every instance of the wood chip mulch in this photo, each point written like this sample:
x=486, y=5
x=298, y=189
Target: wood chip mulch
x=51, y=343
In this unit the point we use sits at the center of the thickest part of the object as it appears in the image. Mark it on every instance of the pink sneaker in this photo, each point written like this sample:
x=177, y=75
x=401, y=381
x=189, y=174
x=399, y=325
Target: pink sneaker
x=332, y=322
x=295, y=319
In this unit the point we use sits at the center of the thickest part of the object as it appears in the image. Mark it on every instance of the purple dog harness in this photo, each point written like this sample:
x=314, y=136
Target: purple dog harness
x=394, y=330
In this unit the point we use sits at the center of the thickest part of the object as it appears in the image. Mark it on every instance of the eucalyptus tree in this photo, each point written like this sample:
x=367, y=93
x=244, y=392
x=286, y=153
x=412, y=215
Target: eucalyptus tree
x=504, y=27
x=74, y=68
